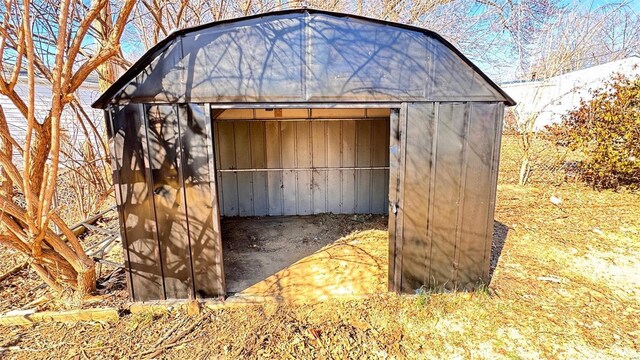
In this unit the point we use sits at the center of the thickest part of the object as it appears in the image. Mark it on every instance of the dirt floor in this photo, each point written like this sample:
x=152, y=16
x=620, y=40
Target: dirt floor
x=298, y=257
x=566, y=286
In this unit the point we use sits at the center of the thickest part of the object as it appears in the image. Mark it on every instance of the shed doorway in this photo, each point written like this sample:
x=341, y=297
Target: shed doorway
x=303, y=197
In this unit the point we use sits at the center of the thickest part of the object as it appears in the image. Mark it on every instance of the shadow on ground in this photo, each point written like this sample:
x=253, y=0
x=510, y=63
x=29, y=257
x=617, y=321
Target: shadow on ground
x=305, y=257
x=500, y=233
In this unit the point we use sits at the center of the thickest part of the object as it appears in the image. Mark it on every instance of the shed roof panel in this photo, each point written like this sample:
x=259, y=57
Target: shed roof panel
x=300, y=56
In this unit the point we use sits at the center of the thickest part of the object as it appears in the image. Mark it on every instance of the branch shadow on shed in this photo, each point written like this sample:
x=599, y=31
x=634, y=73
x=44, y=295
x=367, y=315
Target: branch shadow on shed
x=301, y=258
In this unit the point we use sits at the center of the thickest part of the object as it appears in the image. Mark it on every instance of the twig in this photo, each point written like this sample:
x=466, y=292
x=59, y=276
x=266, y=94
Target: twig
x=169, y=333
x=175, y=341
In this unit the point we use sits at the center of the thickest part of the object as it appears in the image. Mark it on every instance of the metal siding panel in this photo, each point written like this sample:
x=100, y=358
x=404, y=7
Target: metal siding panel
x=304, y=160
x=216, y=152
x=242, y=150
x=298, y=57
x=115, y=152
x=356, y=59
x=319, y=178
x=454, y=78
x=165, y=164
x=161, y=80
x=262, y=59
x=397, y=121
x=348, y=177
x=274, y=178
x=379, y=157
x=258, y=161
x=203, y=213
x=364, y=150
x=230, y=194
x=227, y=160
x=415, y=194
x=334, y=159
x=137, y=210
x=448, y=175
x=475, y=211
x=379, y=185
x=288, y=155
x=303, y=155
x=495, y=162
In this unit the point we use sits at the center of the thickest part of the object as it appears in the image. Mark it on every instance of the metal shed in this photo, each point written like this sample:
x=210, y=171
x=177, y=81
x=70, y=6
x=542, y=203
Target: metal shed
x=303, y=112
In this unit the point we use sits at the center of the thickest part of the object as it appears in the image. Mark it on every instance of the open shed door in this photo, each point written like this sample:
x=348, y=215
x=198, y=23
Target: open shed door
x=166, y=194
x=443, y=171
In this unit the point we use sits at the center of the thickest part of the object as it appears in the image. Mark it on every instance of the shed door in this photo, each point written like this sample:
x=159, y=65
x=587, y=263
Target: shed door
x=444, y=160
x=181, y=162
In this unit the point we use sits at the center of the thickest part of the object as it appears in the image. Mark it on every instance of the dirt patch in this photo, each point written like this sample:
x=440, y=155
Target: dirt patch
x=265, y=255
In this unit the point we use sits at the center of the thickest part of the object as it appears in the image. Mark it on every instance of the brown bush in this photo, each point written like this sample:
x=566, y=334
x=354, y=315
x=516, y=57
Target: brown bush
x=606, y=130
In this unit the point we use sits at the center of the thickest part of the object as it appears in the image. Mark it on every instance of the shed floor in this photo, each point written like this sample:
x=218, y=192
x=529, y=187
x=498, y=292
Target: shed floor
x=305, y=257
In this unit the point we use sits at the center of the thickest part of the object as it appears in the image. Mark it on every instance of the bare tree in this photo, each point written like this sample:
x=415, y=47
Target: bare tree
x=577, y=38
x=54, y=41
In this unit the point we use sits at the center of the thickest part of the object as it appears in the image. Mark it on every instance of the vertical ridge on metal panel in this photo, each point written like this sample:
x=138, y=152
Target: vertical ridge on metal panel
x=274, y=178
x=417, y=141
x=447, y=192
x=495, y=162
x=258, y=161
x=393, y=282
x=129, y=135
x=433, y=163
x=348, y=185
x=475, y=212
x=463, y=197
x=199, y=186
x=319, y=151
x=304, y=158
x=116, y=163
x=364, y=150
x=288, y=156
x=244, y=180
x=168, y=196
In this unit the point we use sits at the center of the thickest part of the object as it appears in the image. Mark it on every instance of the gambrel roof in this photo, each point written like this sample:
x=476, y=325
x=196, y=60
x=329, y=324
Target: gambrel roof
x=302, y=55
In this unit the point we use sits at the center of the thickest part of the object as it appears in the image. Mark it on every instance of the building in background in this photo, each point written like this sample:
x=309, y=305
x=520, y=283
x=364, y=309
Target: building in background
x=550, y=99
x=70, y=125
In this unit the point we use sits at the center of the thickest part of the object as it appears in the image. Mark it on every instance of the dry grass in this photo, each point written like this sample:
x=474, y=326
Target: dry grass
x=589, y=248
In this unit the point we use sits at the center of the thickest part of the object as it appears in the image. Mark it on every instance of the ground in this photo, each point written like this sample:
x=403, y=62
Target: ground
x=296, y=258
x=566, y=285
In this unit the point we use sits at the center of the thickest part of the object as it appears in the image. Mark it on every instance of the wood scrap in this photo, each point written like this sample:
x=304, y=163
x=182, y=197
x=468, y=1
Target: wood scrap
x=72, y=316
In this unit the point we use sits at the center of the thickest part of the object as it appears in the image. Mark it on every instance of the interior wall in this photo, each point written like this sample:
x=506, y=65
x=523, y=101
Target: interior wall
x=447, y=174
x=302, y=161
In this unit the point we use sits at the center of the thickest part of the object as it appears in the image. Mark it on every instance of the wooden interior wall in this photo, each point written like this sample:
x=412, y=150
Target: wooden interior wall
x=302, y=161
